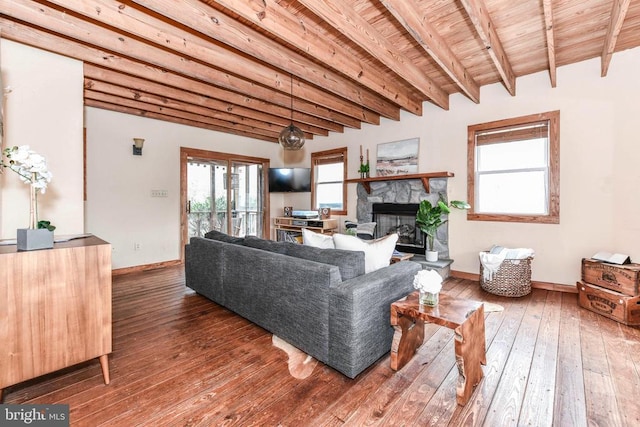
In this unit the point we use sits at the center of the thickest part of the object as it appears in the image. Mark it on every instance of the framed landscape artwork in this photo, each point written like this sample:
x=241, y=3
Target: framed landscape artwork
x=398, y=157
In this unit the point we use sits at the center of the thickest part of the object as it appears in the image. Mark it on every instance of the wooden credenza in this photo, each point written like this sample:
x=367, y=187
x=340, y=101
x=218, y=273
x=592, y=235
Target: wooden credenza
x=55, y=308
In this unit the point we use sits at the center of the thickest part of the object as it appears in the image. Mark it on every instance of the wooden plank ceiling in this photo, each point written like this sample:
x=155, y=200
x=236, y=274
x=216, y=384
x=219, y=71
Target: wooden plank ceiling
x=232, y=65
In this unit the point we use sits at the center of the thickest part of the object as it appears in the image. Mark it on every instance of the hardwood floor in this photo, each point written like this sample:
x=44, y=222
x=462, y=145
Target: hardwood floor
x=181, y=360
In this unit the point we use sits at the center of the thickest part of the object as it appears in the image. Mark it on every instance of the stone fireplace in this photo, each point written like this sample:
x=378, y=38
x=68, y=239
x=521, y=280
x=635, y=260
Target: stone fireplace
x=393, y=205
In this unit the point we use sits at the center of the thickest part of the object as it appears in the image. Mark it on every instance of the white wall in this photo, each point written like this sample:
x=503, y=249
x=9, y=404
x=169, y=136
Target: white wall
x=599, y=176
x=43, y=110
x=119, y=205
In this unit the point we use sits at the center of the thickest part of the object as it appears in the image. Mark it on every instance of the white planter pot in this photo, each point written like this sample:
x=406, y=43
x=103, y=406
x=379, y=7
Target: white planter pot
x=431, y=255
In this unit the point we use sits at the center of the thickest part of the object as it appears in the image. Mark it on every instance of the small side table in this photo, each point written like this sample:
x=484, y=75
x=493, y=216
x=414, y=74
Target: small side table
x=465, y=317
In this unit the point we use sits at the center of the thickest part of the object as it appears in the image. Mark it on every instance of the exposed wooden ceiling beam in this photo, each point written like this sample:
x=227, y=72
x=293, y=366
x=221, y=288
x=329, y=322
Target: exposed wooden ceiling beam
x=407, y=14
x=477, y=12
x=163, y=101
x=352, y=62
x=136, y=87
x=162, y=33
x=137, y=112
x=90, y=56
x=185, y=115
x=274, y=18
x=618, y=13
x=341, y=15
x=212, y=23
x=70, y=26
x=139, y=74
x=551, y=40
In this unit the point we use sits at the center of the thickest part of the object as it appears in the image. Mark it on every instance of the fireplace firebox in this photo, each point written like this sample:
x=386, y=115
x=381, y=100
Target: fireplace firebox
x=399, y=218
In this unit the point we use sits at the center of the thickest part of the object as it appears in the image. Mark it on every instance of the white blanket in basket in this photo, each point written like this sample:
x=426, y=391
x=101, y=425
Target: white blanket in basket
x=492, y=260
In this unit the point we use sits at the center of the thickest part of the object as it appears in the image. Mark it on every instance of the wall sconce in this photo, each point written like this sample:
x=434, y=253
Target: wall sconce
x=137, y=146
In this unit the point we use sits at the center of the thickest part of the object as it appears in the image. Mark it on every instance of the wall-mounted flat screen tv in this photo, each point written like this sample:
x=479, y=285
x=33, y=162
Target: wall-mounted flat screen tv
x=289, y=180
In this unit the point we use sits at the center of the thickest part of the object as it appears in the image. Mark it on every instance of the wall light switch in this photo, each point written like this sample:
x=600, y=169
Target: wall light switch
x=159, y=193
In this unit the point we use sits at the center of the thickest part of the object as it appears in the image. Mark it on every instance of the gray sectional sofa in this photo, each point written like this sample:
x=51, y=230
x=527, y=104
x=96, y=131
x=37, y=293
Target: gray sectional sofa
x=319, y=300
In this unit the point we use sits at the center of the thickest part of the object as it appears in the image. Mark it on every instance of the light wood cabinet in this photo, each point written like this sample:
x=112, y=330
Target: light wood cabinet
x=55, y=308
x=289, y=229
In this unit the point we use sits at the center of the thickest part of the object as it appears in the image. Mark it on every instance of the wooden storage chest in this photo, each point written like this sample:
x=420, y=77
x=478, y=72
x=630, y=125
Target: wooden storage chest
x=621, y=278
x=614, y=305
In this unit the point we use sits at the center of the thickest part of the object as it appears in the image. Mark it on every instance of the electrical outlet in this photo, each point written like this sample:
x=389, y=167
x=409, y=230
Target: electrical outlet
x=136, y=246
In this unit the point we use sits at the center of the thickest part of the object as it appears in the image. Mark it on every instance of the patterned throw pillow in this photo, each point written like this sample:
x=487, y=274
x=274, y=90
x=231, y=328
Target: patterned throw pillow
x=363, y=230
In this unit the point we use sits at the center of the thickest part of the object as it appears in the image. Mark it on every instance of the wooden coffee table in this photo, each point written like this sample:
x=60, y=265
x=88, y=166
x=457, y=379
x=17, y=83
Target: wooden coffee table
x=465, y=317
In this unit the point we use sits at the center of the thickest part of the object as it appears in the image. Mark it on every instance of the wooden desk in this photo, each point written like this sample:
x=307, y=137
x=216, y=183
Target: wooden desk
x=55, y=308
x=465, y=317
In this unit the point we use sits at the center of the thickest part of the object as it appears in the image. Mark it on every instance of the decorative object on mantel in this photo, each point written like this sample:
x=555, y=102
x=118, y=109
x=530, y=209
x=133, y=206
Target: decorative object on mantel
x=429, y=219
x=364, y=167
x=429, y=283
x=291, y=137
x=398, y=157
x=31, y=167
x=138, y=143
x=424, y=177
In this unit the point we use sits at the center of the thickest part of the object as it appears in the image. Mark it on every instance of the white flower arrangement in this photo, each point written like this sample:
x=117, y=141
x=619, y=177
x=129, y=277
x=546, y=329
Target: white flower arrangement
x=428, y=281
x=31, y=167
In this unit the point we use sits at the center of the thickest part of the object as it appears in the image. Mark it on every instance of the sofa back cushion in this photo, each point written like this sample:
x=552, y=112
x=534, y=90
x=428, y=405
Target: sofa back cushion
x=350, y=264
x=265, y=245
x=377, y=253
x=317, y=240
x=222, y=237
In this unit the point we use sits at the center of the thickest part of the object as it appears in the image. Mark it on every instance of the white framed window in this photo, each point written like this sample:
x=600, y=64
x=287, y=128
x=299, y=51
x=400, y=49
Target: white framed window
x=328, y=174
x=513, y=168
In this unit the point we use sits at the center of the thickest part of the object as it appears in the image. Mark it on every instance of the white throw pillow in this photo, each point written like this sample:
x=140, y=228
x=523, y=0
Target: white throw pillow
x=377, y=253
x=317, y=240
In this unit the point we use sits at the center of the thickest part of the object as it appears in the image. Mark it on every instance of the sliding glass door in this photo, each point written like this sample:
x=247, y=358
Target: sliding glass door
x=223, y=192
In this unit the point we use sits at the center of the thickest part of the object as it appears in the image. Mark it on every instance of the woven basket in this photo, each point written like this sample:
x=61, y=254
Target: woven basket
x=513, y=278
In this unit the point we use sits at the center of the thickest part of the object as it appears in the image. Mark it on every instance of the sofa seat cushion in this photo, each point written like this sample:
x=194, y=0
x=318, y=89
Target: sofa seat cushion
x=351, y=264
x=377, y=253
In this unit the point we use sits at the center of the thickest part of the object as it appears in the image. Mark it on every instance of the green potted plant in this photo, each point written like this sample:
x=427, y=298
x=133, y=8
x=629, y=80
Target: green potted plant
x=364, y=170
x=430, y=217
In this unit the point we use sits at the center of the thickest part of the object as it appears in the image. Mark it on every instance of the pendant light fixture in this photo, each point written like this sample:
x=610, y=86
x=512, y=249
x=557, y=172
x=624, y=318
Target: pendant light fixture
x=291, y=137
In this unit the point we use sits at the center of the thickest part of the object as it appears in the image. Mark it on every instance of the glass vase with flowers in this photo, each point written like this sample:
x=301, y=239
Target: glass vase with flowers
x=32, y=169
x=429, y=283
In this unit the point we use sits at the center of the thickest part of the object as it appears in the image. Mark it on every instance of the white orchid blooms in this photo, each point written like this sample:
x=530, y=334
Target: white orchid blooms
x=29, y=165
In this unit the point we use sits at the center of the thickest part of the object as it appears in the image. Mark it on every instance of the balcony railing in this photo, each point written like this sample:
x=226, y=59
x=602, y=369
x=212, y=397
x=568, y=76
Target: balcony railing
x=243, y=223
